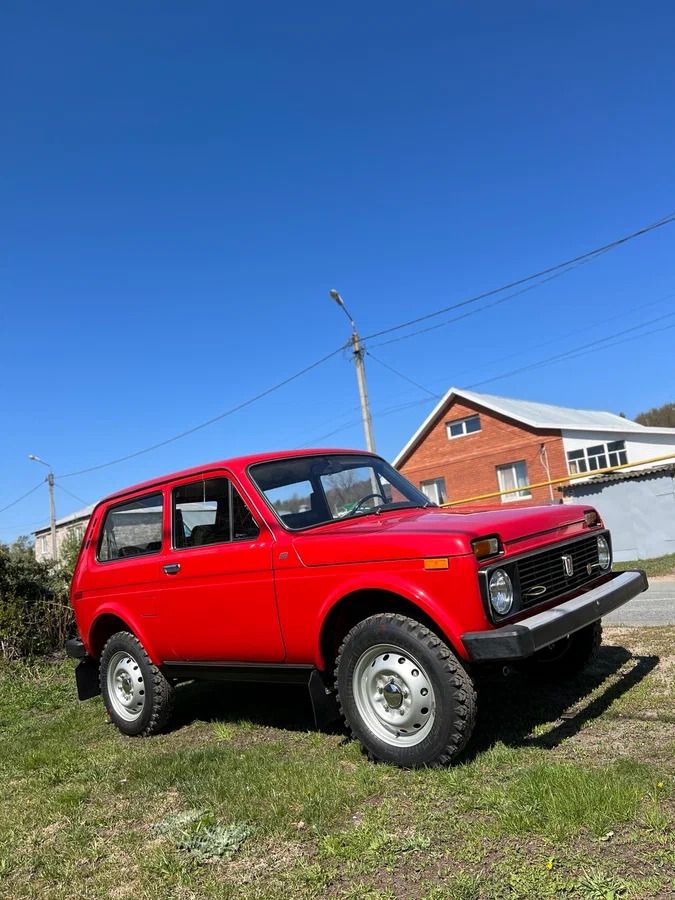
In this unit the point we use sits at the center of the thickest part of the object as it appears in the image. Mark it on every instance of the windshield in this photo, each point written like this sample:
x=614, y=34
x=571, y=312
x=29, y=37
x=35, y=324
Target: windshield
x=312, y=490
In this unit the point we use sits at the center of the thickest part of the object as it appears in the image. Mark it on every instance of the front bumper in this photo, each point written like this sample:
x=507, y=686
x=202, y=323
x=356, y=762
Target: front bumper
x=524, y=638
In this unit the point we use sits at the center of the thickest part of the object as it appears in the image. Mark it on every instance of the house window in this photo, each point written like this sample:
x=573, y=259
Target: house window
x=460, y=427
x=598, y=456
x=616, y=452
x=44, y=547
x=434, y=489
x=511, y=476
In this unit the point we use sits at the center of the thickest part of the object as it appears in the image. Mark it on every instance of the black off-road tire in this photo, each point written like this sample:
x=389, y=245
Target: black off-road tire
x=566, y=658
x=153, y=691
x=454, y=713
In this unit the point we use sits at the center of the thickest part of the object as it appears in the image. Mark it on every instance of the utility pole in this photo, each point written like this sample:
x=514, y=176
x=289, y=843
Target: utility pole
x=52, y=507
x=359, y=353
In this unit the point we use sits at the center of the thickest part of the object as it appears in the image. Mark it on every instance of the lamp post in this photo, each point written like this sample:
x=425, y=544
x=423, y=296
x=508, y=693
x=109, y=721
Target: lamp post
x=359, y=353
x=52, y=509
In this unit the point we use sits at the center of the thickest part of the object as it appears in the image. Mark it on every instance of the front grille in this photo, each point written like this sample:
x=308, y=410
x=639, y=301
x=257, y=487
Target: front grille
x=547, y=570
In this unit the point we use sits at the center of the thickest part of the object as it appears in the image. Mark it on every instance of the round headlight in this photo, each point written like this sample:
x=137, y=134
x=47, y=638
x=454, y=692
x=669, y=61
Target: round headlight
x=604, y=556
x=501, y=592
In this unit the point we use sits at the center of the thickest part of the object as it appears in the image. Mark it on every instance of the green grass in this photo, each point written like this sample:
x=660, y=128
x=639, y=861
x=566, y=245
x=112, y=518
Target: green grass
x=660, y=565
x=567, y=791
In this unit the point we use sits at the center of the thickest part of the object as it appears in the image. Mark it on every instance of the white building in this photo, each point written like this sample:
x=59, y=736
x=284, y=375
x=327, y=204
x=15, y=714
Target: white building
x=76, y=522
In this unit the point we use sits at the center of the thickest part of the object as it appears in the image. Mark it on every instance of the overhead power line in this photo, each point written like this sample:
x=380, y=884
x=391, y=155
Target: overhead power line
x=71, y=494
x=23, y=496
x=586, y=327
x=566, y=264
x=581, y=350
x=572, y=353
x=480, y=309
x=401, y=375
x=538, y=277
x=211, y=421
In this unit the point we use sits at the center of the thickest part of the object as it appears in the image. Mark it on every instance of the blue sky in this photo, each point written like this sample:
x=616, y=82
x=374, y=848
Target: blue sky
x=182, y=183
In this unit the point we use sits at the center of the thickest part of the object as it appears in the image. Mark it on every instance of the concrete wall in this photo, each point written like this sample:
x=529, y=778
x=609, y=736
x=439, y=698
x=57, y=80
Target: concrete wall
x=469, y=463
x=640, y=512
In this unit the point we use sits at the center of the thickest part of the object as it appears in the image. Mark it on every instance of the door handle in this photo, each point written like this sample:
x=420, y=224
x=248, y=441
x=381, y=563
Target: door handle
x=172, y=568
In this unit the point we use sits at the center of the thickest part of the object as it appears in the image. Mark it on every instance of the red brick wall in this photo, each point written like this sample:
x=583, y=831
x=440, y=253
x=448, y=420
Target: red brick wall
x=468, y=463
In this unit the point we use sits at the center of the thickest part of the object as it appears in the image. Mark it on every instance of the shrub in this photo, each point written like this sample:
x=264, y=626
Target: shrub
x=34, y=613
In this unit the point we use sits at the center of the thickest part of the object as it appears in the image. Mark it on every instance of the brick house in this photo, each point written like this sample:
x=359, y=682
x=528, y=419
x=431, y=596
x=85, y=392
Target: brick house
x=473, y=444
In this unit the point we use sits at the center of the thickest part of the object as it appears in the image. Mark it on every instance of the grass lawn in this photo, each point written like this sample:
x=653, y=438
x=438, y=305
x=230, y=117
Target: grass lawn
x=568, y=792
x=660, y=565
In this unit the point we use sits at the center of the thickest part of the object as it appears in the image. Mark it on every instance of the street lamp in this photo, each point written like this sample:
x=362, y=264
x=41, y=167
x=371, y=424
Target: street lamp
x=359, y=353
x=52, y=509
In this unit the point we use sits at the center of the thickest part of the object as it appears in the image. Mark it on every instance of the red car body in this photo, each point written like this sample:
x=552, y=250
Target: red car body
x=328, y=568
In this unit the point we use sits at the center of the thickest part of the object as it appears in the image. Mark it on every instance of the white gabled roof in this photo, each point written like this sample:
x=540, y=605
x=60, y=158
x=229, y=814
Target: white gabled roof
x=66, y=520
x=536, y=415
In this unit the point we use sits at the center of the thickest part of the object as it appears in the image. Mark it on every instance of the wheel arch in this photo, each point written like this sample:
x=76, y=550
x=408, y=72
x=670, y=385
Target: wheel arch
x=358, y=605
x=109, y=622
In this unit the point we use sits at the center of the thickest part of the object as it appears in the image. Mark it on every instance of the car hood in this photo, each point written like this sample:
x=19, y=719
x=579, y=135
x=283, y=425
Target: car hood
x=415, y=533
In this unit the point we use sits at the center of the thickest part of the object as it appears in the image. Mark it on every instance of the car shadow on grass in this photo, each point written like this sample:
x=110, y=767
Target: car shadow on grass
x=284, y=706
x=514, y=710
x=521, y=711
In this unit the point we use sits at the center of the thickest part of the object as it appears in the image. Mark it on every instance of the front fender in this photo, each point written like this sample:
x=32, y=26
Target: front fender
x=441, y=600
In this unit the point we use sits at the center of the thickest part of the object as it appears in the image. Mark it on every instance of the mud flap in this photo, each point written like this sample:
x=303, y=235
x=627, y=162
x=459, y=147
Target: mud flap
x=324, y=703
x=86, y=679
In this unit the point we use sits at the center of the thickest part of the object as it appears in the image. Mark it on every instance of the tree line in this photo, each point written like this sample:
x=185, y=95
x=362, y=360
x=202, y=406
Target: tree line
x=658, y=417
x=35, y=614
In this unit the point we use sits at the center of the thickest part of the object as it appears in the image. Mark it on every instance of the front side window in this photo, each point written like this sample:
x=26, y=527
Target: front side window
x=210, y=511
x=312, y=490
x=460, y=427
x=434, y=489
x=132, y=529
x=512, y=476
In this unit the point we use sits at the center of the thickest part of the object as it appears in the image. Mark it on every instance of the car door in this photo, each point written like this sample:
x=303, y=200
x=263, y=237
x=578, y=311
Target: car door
x=218, y=600
x=124, y=568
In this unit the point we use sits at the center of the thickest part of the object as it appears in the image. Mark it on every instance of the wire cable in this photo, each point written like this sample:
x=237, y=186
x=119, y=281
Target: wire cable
x=223, y=415
x=575, y=351
x=401, y=375
x=71, y=494
x=475, y=312
x=568, y=263
x=23, y=496
x=588, y=326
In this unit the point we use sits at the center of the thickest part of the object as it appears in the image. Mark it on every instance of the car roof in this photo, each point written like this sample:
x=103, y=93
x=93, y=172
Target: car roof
x=236, y=464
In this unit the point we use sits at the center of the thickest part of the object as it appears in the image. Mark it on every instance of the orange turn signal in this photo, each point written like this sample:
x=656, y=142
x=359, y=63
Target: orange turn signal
x=485, y=547
x=438, y=563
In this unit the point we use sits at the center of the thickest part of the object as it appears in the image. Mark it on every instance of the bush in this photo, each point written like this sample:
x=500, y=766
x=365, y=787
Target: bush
x=35, y=616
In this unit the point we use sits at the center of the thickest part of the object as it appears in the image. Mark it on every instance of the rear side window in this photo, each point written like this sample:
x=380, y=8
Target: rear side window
x=132, y=529
x=210, y=511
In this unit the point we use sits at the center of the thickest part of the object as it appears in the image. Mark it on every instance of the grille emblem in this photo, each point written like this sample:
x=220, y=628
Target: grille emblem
x=568, y=564
x=537, y=591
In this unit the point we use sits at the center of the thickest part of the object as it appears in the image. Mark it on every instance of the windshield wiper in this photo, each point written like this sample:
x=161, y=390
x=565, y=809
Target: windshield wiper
x=377, y=510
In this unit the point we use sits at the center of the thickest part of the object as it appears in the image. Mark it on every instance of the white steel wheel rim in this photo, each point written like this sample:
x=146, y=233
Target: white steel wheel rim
x=126, y=686
x=394, y=695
